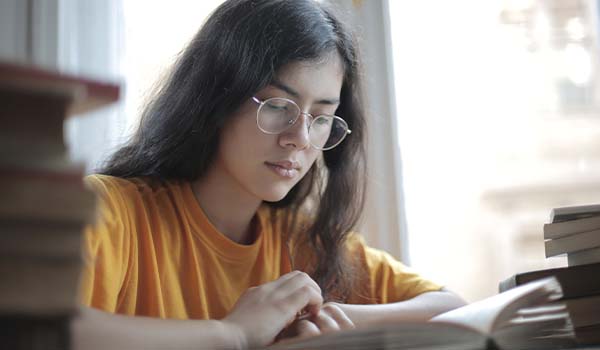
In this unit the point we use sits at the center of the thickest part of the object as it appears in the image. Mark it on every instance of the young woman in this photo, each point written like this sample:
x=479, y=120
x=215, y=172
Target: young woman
x=226, y=220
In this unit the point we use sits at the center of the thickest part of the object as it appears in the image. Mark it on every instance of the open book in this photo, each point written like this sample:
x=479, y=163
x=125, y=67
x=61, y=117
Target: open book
x=520, y=318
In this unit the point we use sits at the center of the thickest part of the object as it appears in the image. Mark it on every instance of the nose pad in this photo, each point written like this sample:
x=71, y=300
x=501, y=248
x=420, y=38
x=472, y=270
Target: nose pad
x=297, y=135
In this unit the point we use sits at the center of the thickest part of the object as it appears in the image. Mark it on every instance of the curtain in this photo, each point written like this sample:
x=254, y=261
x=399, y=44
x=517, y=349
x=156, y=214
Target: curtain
x=384, y=221
x=90, y=43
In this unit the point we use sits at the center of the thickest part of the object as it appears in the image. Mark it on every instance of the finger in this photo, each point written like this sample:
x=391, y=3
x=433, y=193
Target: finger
x=306, y=328
x=305, y=297
x=335, y=312
x=288, y=276
x=292, y=280
x=301, y=329
x=290, y=285
x=300, y=279
x=313, y=310
x=275, y=284
x=325, y=323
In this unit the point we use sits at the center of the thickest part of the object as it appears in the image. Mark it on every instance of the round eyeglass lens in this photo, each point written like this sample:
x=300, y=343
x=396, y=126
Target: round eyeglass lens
x=277, y=114
x=327, y=131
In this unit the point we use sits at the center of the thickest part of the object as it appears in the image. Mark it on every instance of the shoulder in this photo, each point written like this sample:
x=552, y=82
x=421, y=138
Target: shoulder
x=355, y=240
x=106, y=184
x=121, y=197
x=121, y=202
x=384, y=277
x=355, y=244
x=373, y=259
x=113, y=188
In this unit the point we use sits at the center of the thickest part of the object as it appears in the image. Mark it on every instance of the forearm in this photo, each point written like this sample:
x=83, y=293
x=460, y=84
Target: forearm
x=418, y=309
x=95, y=329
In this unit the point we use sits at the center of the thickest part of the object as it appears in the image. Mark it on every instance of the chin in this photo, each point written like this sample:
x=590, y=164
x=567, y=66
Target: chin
x=275, y=194
x=274, y=197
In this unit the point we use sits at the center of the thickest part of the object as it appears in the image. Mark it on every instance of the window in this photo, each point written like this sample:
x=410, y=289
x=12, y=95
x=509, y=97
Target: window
x=131, y=41
x=155, y=33
x=498, y=106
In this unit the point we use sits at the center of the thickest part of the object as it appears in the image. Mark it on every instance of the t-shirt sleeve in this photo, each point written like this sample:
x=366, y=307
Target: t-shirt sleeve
x=384, y=279
x=106, y=247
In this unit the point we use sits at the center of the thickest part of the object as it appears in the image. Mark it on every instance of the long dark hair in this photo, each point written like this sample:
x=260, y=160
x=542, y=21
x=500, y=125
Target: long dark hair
x=237, y=52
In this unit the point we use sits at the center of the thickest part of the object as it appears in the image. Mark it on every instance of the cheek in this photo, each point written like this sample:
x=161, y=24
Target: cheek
x=313, y=154
x=233, y=143
x=241, y=133
x=310, y=158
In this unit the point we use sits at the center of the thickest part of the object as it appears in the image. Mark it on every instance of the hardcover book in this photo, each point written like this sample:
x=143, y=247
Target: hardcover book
x=576, y=281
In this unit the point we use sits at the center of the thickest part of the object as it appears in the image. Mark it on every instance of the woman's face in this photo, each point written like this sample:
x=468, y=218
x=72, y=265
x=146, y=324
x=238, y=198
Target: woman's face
x=267, y=166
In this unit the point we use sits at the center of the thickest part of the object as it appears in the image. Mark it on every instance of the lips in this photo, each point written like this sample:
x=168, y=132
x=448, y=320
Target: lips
x=287, y=169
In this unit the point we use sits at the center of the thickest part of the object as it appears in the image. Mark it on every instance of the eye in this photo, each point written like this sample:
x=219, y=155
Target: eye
x=323, y=120
x=277, y=105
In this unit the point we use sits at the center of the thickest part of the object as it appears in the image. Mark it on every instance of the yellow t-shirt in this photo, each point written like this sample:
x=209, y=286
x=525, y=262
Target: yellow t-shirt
x=153, y=252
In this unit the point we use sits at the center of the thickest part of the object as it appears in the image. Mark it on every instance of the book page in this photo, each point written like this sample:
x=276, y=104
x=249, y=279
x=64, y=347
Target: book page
x=485, y=315
x=415, y=336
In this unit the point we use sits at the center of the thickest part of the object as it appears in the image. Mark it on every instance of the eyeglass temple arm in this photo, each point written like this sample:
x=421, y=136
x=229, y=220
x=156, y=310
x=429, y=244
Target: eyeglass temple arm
x=257, y=100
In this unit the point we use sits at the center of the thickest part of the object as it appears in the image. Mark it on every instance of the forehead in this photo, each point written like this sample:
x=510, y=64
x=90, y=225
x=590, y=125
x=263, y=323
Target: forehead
x=320, y=78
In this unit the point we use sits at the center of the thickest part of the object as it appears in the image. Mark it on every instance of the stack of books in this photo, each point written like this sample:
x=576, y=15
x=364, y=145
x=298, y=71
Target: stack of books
x=574, y=232
x=43, y=204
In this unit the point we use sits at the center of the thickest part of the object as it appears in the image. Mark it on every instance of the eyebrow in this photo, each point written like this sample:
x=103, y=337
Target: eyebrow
x=281, y=86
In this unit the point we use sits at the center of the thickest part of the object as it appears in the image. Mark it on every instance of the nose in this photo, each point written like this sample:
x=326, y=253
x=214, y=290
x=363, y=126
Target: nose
x=297, y=135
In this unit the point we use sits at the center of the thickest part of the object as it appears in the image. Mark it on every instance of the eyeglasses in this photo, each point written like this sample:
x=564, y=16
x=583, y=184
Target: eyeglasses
x=277, y=114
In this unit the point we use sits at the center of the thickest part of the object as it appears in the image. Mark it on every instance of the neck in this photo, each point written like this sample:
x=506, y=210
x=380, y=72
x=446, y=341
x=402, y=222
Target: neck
x=229, y=208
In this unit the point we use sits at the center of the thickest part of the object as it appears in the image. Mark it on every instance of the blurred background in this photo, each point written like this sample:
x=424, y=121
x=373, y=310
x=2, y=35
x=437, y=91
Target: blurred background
x=483, y=115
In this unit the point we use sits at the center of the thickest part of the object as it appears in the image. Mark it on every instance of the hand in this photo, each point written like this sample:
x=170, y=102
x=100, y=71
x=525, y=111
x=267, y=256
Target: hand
x=262, y=312
x=331, y=318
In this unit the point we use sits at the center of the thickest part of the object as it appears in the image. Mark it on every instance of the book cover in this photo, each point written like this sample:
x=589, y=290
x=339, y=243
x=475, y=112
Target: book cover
x=576, y=281
x=82, y=94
